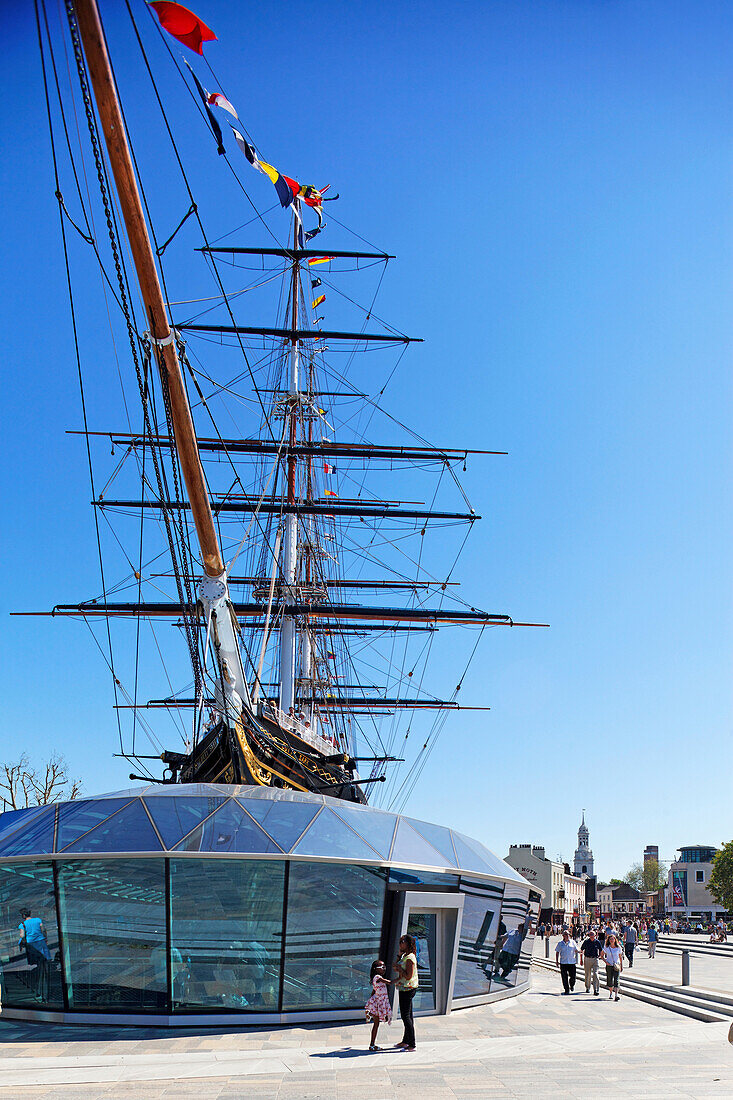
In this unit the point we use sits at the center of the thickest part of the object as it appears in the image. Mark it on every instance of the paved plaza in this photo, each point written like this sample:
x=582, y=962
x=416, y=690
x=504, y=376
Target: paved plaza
x=538, y=1045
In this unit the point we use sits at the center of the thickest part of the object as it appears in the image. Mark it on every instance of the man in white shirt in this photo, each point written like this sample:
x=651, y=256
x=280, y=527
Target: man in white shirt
x=566, y=956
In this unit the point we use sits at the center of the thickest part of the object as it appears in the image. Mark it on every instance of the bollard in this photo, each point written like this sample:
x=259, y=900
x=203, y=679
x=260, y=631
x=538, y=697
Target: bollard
x=547, y=947
x=685, y=967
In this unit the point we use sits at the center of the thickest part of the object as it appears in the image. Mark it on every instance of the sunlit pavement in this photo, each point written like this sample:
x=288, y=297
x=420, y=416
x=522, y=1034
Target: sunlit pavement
x=538, y=1045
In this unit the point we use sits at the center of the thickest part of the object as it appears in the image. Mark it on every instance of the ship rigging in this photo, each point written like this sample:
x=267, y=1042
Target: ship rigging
x=281, y=689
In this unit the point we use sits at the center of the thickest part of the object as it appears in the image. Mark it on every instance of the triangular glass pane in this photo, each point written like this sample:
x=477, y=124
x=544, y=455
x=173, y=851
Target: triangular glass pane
x=330, y=836
x=175, y=817
x=34, y=837
x=76, y=818
x=230, y=829
x=12, y=820
x=438, y=836
x=375, y=826
x=128, y=831
x=282, y=819
x=410, y=847
x=470, y=860
x=499, y=867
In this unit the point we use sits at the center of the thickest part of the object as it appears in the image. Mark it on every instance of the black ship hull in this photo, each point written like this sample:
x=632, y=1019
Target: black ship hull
x=260, y=752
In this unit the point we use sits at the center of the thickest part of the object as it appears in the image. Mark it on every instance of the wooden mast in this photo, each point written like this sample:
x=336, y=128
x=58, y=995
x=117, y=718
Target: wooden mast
x=108, y=106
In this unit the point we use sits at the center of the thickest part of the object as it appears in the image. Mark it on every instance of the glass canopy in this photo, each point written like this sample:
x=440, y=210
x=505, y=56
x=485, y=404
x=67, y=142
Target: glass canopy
x=212, y=818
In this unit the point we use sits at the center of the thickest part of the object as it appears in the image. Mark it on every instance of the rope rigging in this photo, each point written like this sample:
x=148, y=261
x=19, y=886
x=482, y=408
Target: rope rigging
x=360, y=539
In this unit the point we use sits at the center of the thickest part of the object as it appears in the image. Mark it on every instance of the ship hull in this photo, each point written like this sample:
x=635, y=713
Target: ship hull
x=262, y=753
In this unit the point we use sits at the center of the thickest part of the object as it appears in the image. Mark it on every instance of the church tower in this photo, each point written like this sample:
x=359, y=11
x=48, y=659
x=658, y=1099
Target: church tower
x=583, y=855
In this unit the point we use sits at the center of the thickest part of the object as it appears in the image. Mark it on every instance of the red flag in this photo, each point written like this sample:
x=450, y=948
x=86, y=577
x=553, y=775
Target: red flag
x=183, y=24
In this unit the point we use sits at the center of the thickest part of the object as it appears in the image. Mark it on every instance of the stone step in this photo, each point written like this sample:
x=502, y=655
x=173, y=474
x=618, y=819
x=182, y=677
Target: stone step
x=682, y=1004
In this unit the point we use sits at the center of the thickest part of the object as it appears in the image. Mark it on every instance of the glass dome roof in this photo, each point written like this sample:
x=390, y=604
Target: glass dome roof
x=215, y=819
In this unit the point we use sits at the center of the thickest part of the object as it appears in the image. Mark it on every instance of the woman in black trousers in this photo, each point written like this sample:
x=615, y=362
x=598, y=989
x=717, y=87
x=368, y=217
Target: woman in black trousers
x=407, y=983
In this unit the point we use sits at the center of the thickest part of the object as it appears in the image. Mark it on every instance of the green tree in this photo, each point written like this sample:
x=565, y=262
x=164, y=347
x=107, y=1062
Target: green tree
x=720, y=884
x=647, y=876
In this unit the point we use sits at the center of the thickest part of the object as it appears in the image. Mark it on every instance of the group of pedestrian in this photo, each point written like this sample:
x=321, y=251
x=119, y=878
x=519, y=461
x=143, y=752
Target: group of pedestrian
x=592, y=951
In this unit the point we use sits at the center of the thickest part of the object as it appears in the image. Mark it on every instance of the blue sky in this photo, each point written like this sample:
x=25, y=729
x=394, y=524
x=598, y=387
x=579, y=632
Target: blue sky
x=555, y=181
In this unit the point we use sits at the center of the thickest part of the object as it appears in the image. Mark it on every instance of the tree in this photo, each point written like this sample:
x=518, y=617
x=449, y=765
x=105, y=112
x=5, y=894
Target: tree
x=720, y=883
x=646, y=877
x=23, y=784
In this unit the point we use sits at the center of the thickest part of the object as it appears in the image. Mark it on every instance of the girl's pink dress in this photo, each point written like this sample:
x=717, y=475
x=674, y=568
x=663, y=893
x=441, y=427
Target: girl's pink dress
x=378, y=1004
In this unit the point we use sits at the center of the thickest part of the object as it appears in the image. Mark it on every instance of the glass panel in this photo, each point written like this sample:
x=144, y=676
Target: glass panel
x=30, y=975
x=35, y=836
x=513, y=929
x=229, y=830
x=470, y=860
x=128, y=831
x=423, y=926
x=77, y=818
x=410, y=847
x=113, y=921
x=175, y=817
x=479, y=925
x=333, y=934
x=285, y=820
x=438, y=837
x=330, y=836
x=375, y=827
x=424, y=878
x=13, y=819
x=226, y=933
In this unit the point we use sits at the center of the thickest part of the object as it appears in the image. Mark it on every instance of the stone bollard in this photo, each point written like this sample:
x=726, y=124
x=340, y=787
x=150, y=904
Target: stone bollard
x=547, y=947
x=685, y=967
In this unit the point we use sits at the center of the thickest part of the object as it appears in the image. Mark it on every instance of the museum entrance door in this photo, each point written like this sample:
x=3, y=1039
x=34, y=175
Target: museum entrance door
x=434, y=920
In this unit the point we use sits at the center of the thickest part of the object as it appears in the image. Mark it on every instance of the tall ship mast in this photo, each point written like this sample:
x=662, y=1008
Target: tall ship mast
x=281, y=693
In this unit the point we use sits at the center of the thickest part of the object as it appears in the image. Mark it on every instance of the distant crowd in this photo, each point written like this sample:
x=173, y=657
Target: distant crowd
x=718, y=931
x=608, y=943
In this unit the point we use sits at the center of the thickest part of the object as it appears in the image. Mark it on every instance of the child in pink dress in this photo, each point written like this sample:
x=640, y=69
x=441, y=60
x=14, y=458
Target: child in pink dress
x=378, y=1007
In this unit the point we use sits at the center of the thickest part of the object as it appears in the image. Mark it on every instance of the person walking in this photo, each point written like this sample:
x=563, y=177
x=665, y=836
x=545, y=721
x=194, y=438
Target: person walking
x=566, y=956
x=407, y=985
x=651, y=938
x=590, y=953
x=631, y=938
x=613, y=958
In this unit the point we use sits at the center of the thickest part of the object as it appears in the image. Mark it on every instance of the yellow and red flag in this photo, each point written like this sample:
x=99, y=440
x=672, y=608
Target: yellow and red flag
x=317, y=301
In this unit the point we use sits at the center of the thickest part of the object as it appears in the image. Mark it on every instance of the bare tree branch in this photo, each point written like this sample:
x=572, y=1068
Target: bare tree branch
x=21, y=784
